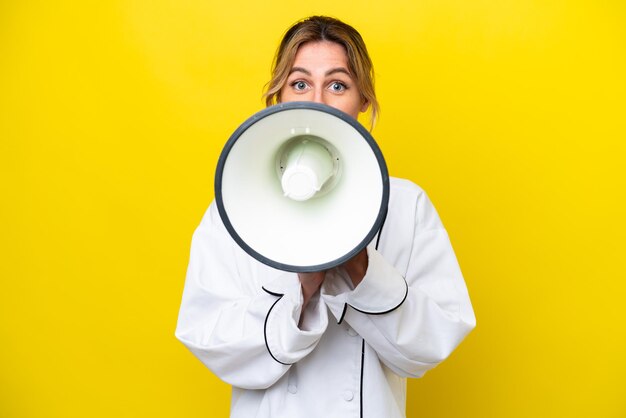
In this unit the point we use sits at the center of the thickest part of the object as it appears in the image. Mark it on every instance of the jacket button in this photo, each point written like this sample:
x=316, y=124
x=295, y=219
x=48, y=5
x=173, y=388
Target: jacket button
x=292, y=389
x=352, y=332
x=348, y=395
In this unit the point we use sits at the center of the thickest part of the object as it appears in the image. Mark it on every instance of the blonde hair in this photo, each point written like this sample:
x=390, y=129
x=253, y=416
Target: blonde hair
x=323, y=28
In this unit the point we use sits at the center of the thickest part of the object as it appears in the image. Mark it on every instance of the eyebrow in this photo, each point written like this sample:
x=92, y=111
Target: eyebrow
x=329, y=72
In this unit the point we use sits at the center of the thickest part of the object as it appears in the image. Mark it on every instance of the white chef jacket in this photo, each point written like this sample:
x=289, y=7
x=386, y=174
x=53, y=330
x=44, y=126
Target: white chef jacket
x=351, y=355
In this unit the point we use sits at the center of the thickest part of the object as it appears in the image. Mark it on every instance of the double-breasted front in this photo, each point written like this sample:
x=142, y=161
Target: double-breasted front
x=352, y=351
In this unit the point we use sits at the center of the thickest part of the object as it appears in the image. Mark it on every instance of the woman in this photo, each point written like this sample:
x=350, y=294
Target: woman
x=398, y=308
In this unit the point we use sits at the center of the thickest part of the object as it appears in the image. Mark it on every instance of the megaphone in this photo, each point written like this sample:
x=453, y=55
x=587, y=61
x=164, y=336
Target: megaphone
x=302, y=187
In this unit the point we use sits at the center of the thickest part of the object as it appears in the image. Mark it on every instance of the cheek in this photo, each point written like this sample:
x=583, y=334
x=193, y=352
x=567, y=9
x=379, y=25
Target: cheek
x=351, y=106
x=287, y=95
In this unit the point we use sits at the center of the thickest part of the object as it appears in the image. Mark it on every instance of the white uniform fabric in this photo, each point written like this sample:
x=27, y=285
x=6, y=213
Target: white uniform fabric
x=351, y=355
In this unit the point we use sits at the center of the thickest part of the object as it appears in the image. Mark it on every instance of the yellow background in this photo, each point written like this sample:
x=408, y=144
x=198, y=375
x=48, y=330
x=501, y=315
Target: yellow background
x=510, y=113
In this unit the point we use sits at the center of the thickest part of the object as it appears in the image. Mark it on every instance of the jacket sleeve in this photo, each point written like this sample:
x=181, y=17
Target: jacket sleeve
x=240, y=325
x=412, y=322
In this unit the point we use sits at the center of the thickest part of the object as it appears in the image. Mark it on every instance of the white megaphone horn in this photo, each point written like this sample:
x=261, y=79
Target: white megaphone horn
x=302, y=187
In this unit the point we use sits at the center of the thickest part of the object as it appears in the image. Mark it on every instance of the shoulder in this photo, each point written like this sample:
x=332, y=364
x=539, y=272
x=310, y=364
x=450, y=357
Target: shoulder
x=212, y=228
x=406, y=196
x=404, y=193
x=212, y=219
x=404, y=187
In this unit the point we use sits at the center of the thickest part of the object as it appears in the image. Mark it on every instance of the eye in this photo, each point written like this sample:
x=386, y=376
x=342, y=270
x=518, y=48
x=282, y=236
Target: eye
x=338, y=87
x=299, y=85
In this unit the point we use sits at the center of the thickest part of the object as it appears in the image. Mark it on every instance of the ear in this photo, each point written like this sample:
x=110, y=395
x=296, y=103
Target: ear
x=364, y=106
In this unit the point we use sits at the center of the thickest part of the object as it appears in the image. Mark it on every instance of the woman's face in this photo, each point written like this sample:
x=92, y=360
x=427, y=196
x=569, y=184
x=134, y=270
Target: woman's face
x=320, y=74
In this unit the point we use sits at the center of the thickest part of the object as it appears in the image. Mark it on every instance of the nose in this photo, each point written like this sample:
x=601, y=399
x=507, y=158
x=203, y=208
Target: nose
x=318, y=96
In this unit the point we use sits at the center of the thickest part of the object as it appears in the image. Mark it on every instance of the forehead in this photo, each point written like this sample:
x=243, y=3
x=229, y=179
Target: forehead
x=321, y=54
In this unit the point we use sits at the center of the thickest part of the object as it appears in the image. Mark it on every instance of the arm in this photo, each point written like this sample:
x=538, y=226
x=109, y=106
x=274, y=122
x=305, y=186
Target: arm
x=413, y=320
x=241, y=318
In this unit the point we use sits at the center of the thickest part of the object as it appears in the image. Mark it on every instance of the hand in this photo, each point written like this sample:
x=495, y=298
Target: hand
x=356, y=267
x=311, y=283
